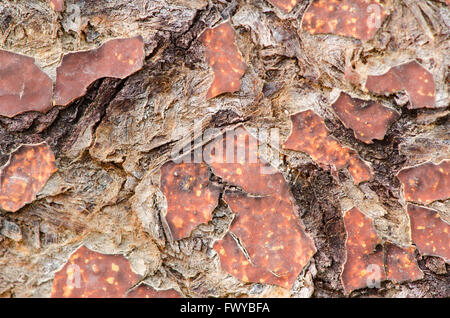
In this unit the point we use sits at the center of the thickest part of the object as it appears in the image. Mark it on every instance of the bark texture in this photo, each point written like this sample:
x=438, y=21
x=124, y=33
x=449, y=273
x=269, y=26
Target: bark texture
x=111, y=143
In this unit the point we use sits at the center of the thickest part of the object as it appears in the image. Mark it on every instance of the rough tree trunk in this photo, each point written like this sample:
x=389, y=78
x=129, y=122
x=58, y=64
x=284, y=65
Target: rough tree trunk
x=111, y=142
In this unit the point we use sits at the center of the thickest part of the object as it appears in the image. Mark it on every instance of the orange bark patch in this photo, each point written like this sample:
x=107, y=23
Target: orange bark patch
x=235, y=158
x=145, y=291
x=429, y=232
x=285, y=5
x=401, y=264
x=25, y=174
x=309, y=134
x=359, y=19
x=368, y=120
x=57, y=5
x=276, y=247
x=426, y=182
x=116, y=58
x=364, y=263
x=276, y=244
x=411, y=77
x=224, y=58
x=89, y=274
x=191, y=197
x=23, y=86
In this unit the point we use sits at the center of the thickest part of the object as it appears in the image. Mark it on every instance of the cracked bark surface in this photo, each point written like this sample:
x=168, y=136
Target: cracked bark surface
x=111, y=143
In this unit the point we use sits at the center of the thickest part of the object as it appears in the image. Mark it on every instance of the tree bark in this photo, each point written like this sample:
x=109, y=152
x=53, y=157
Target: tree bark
x=111, y=143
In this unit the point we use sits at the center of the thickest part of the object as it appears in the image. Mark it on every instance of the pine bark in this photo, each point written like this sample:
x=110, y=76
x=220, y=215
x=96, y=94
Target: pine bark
x=110, y=143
